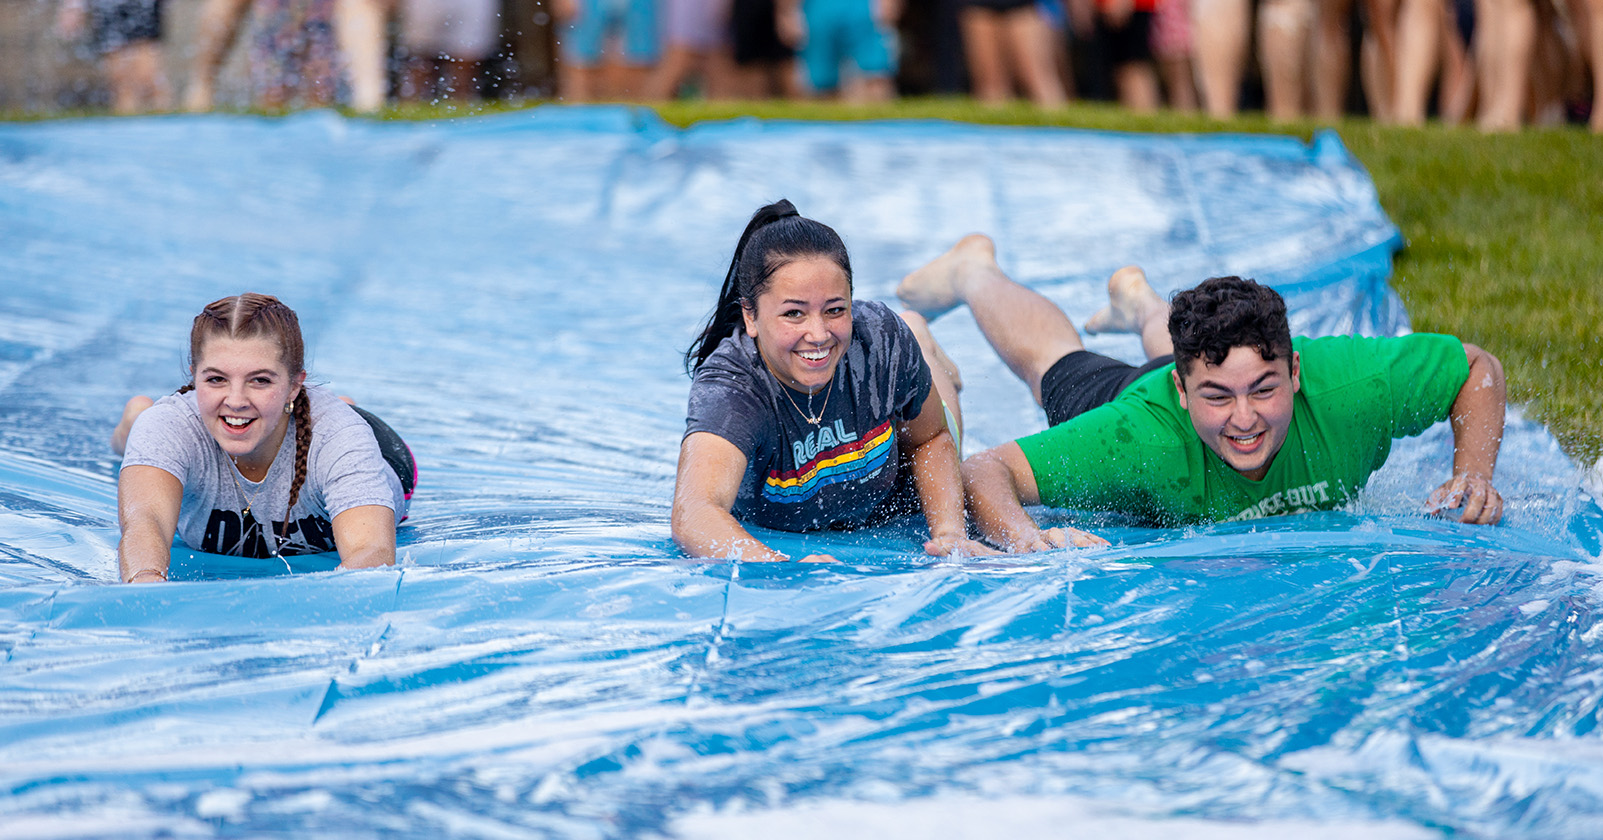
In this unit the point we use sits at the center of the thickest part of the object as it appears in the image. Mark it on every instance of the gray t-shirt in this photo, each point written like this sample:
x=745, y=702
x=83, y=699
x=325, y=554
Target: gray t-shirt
x=344, y=469
x=801, y=477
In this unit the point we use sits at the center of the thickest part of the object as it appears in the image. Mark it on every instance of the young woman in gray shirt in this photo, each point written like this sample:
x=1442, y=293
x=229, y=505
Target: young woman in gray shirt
x=248, y=460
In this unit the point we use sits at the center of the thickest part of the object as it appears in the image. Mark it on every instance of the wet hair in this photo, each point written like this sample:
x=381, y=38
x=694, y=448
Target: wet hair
x=251, y=315
x=1223, y=313
x=775, y=237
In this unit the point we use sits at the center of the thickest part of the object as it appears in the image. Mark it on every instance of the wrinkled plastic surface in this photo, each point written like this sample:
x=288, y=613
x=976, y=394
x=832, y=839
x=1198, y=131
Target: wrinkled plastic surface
x=511, y=294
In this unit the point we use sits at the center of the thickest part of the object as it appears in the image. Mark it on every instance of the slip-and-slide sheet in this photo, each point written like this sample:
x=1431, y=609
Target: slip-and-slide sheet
x=512, y=294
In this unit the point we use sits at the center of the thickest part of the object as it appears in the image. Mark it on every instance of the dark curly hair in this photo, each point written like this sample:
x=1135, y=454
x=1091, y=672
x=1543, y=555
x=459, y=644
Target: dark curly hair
x=1223, y=313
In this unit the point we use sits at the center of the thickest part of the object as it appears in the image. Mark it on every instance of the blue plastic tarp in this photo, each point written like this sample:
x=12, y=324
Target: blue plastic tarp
x=512, y=294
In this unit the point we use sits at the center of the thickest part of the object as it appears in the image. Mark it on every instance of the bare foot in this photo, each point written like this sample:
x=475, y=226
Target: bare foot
x=934, y=289
x=130, y=412
x=933, y=354
x=1131, y=303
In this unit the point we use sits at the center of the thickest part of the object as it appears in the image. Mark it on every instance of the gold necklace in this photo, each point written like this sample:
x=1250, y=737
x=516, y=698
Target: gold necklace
x=821, y=409
x=250, y=503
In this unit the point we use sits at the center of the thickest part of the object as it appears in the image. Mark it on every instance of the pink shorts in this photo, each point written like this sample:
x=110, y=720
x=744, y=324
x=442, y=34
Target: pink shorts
x=1171, y=29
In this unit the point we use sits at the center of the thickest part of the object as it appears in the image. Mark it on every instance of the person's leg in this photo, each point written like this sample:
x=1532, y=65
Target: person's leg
x=130, y=412
x=1332, y=58
x=1137, y=83
x=1595, y=26
x=581, y=31
x=1029, y=332
x=1457, y=100
x=1029, y=40
x=359, y=28
x=718, y=73
x=1171, y=48
x=1283, y=38
x=948, y=381
x=1128, y=45
x=1219, y=29
x=871, y=89
x=1377, y=58
x=150, y=76
x=1506, y=39
x=784, y=78
x=118, y=65
x=982, y=47
x=214, y=36
x=1175, y=72
x=1419, y=28
x=1549, y=71
x=1133, y=307
x=670, y=74
x=577, y=82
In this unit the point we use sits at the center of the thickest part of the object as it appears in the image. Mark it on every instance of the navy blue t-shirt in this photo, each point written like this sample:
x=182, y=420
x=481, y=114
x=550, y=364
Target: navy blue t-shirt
x=801, y=477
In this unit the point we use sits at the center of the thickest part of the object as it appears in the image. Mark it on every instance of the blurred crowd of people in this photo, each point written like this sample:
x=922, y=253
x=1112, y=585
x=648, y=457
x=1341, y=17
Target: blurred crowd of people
x=1498, y=64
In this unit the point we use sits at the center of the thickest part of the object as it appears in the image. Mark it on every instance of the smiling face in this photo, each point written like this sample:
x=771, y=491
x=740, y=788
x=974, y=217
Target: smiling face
x=802, y=322
x=241, y=388
x=1241, y=407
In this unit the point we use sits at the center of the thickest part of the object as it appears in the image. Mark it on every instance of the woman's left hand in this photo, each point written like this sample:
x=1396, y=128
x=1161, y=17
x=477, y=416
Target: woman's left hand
x=958, y=546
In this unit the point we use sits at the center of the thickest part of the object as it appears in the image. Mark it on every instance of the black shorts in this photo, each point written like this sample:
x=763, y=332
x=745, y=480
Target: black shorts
x=118, y=24
x=1131, y=42
x=396, y=453
x=754, y=34
x=1083, y=380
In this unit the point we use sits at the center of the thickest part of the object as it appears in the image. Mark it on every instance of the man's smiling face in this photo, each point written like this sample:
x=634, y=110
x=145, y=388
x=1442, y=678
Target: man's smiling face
x=1241, y=407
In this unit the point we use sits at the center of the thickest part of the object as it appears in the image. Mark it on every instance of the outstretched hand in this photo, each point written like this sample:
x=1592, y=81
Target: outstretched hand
x=1057, y=538
x=961, y=546
x=1481, y=503
x=818, y=558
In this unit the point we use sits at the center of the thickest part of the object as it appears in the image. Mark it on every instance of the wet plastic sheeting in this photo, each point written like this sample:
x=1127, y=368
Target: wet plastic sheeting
x=511, y=293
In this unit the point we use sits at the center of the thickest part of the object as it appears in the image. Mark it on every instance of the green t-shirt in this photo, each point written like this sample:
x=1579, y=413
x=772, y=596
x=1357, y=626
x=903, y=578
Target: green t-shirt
x=1140, y=455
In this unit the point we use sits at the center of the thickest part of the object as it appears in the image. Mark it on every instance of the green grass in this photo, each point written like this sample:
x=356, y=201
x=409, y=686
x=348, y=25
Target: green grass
x=1504, y=233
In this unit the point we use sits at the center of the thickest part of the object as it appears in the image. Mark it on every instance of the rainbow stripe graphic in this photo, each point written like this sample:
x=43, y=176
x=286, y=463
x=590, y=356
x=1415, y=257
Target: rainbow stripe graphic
x=847, y=462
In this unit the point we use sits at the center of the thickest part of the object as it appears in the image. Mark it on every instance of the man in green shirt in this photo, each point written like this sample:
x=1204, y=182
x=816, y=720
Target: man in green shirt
x=1231, y=418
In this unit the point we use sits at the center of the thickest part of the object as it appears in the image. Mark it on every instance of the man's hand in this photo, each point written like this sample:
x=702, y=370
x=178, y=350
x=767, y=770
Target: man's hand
x=1477, y=418
x=1481, y=502
x=1051, y=538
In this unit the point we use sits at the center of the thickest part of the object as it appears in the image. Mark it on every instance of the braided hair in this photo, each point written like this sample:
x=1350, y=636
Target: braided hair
x=775, y=237
x=253, y=315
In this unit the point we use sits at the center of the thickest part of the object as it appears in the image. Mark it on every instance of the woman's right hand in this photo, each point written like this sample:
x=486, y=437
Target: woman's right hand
x=710, y=471
x=147, y=513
